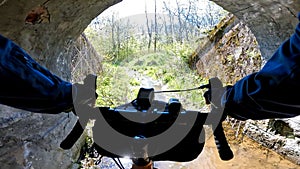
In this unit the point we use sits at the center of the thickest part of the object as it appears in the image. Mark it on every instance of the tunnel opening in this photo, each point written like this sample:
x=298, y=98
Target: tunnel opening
x=124, y=47
x=168, y=34
x=230, y=65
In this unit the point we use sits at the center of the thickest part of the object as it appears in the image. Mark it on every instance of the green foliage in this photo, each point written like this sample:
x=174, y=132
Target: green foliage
x=134, y=82
x=112, y=86
x=96, y=39
x=181, y=50
x=172, y=72
x=115, y=48
x=119, y=84
x=125, y=52
x=168, y=77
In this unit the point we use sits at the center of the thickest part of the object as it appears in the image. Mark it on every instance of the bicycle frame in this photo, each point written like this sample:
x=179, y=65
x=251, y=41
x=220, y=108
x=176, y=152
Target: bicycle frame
x=190, y=146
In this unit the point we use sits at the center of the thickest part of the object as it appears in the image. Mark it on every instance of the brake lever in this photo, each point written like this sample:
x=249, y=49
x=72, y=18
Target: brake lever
x=225, y=152
x=78, y=129
x=72, y=137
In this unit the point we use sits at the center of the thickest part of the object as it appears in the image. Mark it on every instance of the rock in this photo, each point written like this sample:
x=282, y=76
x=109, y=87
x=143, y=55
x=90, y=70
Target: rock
x=31, y=140
x=287, y=147
x=230, y=55
x=294, y=124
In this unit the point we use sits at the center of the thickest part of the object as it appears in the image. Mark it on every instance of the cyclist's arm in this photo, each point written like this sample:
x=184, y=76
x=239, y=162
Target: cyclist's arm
x=274, y=91
x=27, y=85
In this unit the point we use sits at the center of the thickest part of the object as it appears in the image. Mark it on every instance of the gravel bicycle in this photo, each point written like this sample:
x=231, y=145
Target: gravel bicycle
x=166, y=118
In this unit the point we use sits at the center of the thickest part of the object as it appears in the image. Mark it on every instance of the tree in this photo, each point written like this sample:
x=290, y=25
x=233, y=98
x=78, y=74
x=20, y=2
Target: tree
x=149, y=27
x=155, y=26
x=169, y=26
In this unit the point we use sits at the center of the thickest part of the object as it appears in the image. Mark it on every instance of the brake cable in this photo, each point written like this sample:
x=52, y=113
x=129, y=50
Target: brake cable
x=183, y=90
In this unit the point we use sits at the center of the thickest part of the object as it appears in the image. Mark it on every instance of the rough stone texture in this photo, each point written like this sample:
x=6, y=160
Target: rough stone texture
x=271, y=21
x=287, y=147
x=46, y=41
x=230, y=52
x=32, y=140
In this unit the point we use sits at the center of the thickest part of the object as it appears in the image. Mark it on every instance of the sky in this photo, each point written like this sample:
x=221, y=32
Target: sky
x=132, y=7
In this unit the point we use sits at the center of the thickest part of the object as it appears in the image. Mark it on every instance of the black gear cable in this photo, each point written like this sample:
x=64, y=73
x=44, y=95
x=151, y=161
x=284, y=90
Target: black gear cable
x=183, y=90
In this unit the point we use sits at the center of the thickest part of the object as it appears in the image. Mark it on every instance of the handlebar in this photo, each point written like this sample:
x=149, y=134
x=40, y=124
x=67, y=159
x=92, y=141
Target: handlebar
x=164, y=117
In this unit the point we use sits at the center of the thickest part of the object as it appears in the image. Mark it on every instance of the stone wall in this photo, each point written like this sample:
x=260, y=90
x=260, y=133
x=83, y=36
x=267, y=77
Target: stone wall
x=29, y=140
x=231, y=52
x=271, y=22
x=45, y=38
x=44, y=29
x=280, y=135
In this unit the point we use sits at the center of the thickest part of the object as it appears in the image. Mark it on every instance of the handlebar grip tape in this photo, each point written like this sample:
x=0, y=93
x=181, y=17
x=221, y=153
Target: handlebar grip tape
x=224, y=150
x=74, y=135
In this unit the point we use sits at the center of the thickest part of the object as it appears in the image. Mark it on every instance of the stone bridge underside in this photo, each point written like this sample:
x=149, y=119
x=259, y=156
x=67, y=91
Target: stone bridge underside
x=31, y=140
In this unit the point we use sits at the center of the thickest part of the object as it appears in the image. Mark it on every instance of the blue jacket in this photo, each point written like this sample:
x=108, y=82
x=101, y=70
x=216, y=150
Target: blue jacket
x=26, y=85
x=274, y=91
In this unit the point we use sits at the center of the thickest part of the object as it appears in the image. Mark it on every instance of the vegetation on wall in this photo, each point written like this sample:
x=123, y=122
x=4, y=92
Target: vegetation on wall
x=231, y=56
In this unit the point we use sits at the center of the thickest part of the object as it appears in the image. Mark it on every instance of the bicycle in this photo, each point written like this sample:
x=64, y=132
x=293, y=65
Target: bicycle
x=128, y=119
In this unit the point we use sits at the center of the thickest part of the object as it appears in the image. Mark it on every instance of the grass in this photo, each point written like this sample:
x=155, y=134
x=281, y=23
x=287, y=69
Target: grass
x=120, y=83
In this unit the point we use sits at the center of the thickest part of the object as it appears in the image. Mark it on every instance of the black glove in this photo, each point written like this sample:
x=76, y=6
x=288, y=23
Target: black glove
x=85, y=93
x=214, y=94
x=215, y=88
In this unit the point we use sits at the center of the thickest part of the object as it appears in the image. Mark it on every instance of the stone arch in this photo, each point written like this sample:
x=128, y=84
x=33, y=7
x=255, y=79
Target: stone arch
x=59, y=22
x=270, y=21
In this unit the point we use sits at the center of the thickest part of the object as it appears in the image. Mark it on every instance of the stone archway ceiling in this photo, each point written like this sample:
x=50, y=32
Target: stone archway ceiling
x=44, y=27
x=271, y=21
x=54, y=23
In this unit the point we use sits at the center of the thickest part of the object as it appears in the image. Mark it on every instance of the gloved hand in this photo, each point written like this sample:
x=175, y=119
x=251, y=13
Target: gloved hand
x=84, y=97
x=214, y=94
x=85, y=94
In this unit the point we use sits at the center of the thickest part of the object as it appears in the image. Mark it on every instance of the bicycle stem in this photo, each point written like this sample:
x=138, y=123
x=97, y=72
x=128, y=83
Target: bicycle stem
x=142, y=163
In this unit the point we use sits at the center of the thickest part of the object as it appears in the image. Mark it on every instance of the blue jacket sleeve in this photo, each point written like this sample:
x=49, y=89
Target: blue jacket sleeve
x=274, y=91
x=27, y=85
